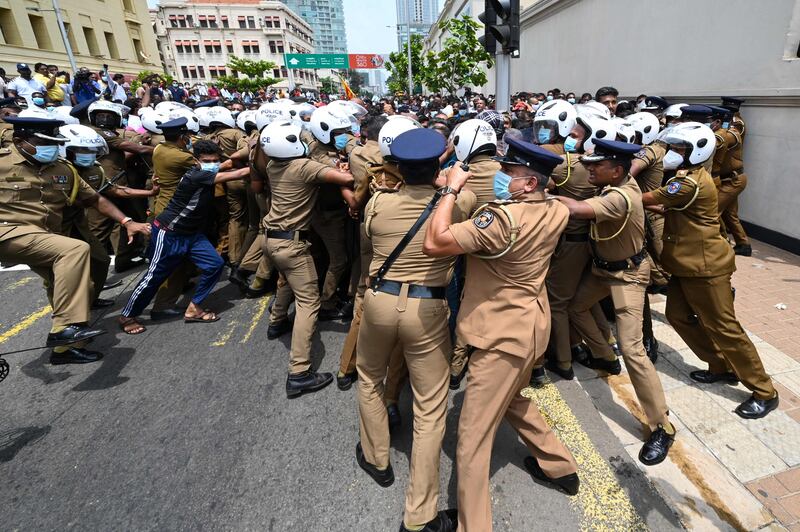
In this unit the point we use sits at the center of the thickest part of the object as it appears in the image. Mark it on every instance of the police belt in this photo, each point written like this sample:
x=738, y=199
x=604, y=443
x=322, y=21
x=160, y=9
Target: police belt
x=287, y=235
x=416, y=291
x=729, y=177
x=619, y=265
x=576, y=237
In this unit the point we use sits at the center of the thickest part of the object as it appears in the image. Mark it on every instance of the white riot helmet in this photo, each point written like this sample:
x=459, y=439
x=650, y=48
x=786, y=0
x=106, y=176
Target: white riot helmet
x=596, y=127
x=221, y=115
x=674, y=110
x=553, y=118
x=281, y=140
x=396, y=125
x=169, y=106
x=35, y=112
x=62, y=113
x=325, y=121
x=152, y=120
x=473, y=137
x=79, y=136
x=349, y=107
x=696, y=138
x=646, y=126
x=270, y=112
x=245, y=118
x=625, y=130
x=202, y=115
x=593, y=107
x=192, y=122
x=103, y=105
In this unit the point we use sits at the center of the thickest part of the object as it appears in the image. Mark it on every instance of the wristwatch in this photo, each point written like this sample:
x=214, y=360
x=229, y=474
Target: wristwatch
x=447, y=189
x=125, y=220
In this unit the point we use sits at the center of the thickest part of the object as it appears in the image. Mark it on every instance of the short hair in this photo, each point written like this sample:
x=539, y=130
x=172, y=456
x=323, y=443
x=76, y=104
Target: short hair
x=372, y=126
x=206, y=147
x=51, y=66
x=37, y=66
x=606, y=91
x=118, y=76
x=419, y=172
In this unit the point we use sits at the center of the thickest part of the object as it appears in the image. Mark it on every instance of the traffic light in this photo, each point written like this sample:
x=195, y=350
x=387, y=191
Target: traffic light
x=489, y=18
x=505, y=26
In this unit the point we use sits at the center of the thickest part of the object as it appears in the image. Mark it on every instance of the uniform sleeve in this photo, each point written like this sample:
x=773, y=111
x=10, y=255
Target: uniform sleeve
x=311, y=171
x=487, y=232
x=466, y=202
x=610, y=207
x=647, y=155
x=675, y=194
x=359, y=171
x=113, y=140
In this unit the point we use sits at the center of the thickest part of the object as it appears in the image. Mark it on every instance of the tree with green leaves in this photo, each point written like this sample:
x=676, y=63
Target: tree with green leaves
x=458, y=63
x=328, y=85
x=398, y=67
x=254, y=70
x=150, y=77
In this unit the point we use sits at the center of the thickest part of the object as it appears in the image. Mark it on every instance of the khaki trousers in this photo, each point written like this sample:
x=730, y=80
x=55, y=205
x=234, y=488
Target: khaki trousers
x=658, y=275
x=330, y=226
x=75, y=225
x=63, y=263
x=492, y=394
x=728, y=200
x=294, y=261
x=719, y=339
x=566, y=269
x=628, y=297
x=238, y=220
x=419, y=326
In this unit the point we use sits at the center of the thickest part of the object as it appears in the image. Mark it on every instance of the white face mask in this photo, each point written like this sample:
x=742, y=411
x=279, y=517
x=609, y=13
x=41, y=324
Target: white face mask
x=672, y=160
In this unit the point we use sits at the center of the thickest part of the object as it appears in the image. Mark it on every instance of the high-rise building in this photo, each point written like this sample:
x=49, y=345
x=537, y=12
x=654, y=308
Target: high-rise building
x=326, y=18
x=121, y=37
x=198, y=37
x=423, y=15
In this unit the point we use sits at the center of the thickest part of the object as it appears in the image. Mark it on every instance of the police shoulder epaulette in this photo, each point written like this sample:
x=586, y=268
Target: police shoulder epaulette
x=682, y=173
x=720, y=139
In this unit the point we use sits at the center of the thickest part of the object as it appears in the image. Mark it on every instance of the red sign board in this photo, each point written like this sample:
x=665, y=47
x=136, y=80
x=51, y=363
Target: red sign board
x=366, y=61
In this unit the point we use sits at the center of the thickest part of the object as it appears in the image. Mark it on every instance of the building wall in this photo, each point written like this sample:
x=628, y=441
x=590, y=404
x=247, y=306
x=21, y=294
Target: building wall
x=696, y=52
x=423, y=15
x=270, y=30
x=326, y=18
x=114, y=32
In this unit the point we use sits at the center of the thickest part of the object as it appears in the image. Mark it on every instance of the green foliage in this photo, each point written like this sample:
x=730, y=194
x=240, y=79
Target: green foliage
x=145, y=74
x=254, y=70
x=398, y=67
x=458, y=64
x=328, y=85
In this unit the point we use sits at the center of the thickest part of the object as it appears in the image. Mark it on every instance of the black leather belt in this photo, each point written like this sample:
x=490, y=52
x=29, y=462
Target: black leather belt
x=576, y=237
x=729, y=177
x=414, y=290
x=287, y=235
x=619, y=265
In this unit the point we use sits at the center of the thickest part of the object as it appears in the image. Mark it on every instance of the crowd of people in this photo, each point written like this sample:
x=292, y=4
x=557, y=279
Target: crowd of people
x=457, y=239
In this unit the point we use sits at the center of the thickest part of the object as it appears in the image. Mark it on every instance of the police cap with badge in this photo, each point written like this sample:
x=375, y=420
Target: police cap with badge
x=175, y=126
x=719, y=112
x=729, y=102
x=534, y=157
x=81, y=110
x=696, y=113
x=418, y=146
x=207, y=103
x=655, y=103
x=43, y=128
x=611, y=150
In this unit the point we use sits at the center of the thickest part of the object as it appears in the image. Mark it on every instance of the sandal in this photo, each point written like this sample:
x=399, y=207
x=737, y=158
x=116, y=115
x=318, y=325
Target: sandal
x=206, y=317
x=131, y=326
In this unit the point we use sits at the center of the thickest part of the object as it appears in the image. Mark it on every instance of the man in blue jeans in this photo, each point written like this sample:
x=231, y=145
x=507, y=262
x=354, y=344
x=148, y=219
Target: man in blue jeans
x=178, y=233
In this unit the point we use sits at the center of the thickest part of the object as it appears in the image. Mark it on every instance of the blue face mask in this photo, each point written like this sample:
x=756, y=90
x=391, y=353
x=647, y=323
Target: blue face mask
x=501, y=182
x=462, y=112
x=341, y=141
x=571, y=100
x=549, y=97
x=544, y=136
x=726, y=125
x=50, y=108
x=355, y=129
x=124, y=122
x=570, y=145
x=85, y=159
x=189, y=145
x=210, y=167
x=46, y=154
x=38, y=101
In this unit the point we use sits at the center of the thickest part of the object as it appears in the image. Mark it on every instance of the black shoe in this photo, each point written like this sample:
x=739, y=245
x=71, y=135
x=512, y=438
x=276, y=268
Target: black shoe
x=255, y=293
x=308, y=381
x=706, y=377
x=345, y=382
x=657, y=289
x=129, y=265
x=395, y=420
x=276, y=330
x=538, y=378
x=455, y=380
x=580, y=353
x=612, y=367
x=74, y=355
x=566, y=374
x=651, y=348
x=109, y=286
x=102, y=303
x=239, y=277
x=347, y=310
x=655, y=449
x=568, y=483
x=445, y=521
x=384, y=478
x=757, y=408
x=745, y=250
x=331, y=314
x=72, y=334
x=166, y=314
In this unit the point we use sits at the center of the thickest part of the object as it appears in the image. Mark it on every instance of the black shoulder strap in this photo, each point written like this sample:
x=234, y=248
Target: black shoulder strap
x=405, y=240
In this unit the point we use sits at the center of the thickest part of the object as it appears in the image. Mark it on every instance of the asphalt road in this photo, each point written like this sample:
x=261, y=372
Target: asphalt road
x=187, y=427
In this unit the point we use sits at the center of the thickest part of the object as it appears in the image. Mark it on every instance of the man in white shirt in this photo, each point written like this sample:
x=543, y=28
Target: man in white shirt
x=115, y=87
x=24, y=85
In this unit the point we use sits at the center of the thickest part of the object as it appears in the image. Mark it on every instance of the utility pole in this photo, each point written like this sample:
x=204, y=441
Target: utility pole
x=501, y=18
x=408, y=47
x=63, y=31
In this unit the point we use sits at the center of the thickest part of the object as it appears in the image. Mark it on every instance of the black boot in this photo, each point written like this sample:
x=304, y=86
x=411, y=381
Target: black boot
x=757, y=408
x=568, y=483
x=384, y=478
x=309, y=381
x=278, y=329
x=656, y=448
x=345, y=382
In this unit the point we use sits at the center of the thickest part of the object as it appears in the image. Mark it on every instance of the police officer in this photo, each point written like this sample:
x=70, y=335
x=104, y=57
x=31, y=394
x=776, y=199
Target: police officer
x=505, y=316
x=701, y=263
x=294, y=183
x=734, y=105
x=620, y=269
x=702, y=114
x=35, y=187
x=405, y=304
x=8, y=107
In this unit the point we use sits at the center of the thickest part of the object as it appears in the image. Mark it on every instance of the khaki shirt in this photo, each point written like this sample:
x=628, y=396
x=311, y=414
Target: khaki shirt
x=652, y=175
x=294, y=186
x=227, y=139
x=114, y=162
x=720, y=152
x=169, y=163
x=572, y=181
x=360, y=157
x=505, y=304
x=610, y=210
x=389, y=216
x=483, y=169
x=258, y=161
x=693, y=245
x=35, y=195
x=93, y=175
x=733, y=161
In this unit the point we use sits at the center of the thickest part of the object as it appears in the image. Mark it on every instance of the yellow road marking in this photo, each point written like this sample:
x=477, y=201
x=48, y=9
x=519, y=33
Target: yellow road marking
x=24, y=323
x=21, y=282
x=260, y=310
x=226, y=335
x=602, y=501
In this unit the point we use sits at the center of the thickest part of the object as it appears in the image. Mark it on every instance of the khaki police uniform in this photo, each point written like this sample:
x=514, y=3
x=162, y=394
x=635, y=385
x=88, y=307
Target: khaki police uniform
x=254, y=258
x=626, y=286
x=228, y=140
x=32, y=200
x=648, y=179
x=505, y=317
x=419, y=326
x=294, y=186
x=701, y=263
x=733, y=181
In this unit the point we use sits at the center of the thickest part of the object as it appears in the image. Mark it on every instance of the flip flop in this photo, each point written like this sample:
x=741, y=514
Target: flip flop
x=201, y=318
x=126, y=324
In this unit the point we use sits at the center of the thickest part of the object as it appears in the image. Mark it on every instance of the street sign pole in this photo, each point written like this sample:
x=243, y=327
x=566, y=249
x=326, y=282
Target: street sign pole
x=64, y=36
x=291, y=74
x=502, y=81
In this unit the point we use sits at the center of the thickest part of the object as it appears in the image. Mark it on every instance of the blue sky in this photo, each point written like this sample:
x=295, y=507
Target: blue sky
x=366, y=22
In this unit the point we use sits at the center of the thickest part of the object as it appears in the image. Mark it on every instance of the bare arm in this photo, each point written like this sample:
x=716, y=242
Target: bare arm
x=337, y=177
x=109, y=210
x=233, y=175
x=637, y=165
x=577, y=209
x=439, y=240
x=128, y=192
x=135, y=147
